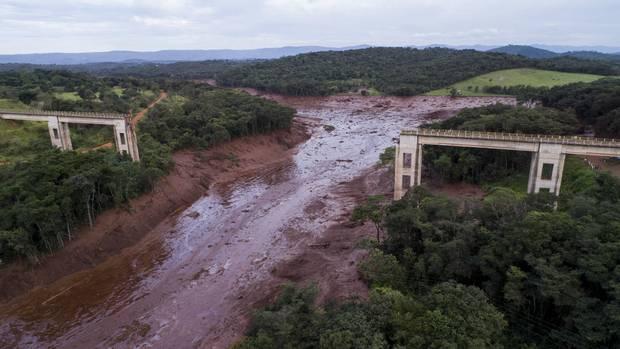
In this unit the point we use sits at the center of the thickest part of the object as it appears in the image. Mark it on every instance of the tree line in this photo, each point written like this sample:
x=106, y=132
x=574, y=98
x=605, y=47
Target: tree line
x=203, y=116
x=595, y=103
x=41, y=89
x=393, y=71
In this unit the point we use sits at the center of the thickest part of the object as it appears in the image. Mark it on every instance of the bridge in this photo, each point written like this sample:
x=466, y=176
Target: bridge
x=548, y=153
x=58, y=124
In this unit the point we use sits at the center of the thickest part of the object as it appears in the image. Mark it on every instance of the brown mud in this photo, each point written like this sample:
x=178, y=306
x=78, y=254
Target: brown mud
x=116, y=229
x=192, y=280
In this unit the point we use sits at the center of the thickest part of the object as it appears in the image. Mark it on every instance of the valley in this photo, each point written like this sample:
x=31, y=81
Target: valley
x=248, y=226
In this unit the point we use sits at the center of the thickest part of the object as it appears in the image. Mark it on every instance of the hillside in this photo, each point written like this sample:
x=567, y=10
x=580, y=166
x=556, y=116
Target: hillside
x=514, y=77
x=392, y=71
x=526, y=51
x=539, y=53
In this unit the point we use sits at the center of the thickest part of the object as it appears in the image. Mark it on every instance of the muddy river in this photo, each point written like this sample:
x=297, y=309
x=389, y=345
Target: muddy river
x=188, y=282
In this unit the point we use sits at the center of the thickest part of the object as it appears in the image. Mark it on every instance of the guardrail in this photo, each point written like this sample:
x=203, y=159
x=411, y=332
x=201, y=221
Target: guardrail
x=515, y=137
x=65, y=114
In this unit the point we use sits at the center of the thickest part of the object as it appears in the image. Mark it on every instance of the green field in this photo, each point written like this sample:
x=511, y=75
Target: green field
x=20, y=140
x=12, y=104
x=514, y=77
x=68, y=96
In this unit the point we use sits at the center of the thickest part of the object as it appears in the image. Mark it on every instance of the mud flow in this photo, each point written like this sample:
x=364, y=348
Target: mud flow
x=189, y=283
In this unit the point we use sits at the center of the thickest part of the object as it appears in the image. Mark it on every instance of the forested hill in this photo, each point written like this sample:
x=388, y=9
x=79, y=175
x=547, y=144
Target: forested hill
x=538, y=53
x=392, y=71
x=526, y=51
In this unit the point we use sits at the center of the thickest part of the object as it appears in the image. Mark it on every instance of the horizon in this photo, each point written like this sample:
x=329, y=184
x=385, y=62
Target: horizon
x=549, y=47
x=84, y=26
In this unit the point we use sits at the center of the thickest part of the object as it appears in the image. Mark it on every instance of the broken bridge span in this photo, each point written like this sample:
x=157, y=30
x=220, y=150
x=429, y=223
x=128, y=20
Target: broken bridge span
x=548, y=153
x=58, y=125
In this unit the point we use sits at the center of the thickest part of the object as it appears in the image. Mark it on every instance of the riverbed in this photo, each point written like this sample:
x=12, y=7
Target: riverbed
x=191, y=281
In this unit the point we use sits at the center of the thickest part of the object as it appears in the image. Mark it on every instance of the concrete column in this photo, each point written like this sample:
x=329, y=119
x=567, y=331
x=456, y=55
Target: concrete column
x=59, y=133
x=408, y=150
x=133, y=143
x=125, y=139
x=546, y=169
x=531, y=182
x=418, y=166
x=66, y=136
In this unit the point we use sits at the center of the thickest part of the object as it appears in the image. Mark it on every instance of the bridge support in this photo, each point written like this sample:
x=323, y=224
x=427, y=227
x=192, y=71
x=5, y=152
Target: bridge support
x=125, y=139
x=408, y=164
x=546, y=169
x=59, y=133
x=548, y=154
x=58, y=125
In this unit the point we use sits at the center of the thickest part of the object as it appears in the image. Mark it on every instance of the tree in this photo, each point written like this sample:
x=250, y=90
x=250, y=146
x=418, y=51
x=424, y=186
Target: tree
x=372, y=210
x=454, y=92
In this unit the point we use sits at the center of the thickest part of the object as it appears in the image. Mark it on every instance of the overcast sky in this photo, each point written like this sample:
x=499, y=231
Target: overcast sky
x=145, y=25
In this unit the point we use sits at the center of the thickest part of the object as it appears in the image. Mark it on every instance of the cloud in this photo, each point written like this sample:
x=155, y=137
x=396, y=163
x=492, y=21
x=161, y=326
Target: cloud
x=95, y=25
x=161, y=22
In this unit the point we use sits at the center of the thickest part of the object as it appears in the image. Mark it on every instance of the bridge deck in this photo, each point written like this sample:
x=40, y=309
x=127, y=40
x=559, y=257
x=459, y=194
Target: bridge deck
x=65, y=114
x=514, y=137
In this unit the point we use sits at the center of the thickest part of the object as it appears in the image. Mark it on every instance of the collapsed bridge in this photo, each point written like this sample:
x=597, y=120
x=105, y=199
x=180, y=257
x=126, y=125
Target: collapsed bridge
x=548, y=153
x=58, y=124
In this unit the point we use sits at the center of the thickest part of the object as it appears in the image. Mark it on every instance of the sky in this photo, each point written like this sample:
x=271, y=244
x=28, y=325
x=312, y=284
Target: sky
x=32, y=26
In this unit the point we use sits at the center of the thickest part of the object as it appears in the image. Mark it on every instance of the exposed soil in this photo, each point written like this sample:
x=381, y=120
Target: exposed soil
x=194, y=278
x=139, y=116
x=194, y=171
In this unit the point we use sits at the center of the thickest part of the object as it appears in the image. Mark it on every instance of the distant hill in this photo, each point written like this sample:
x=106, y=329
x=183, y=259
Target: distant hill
x=593, y=55
x=526, y=51
x=166, y=56
x=538, y=53
x=567, y=48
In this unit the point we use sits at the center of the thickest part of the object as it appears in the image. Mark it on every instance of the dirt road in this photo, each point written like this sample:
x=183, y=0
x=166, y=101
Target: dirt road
x=192, y=280
x=140, y=115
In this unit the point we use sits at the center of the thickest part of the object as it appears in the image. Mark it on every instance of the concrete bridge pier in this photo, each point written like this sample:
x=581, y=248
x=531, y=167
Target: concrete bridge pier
x=408, y=166
x=548, y=153
x=58, y=125
x=125, y=139
x=59, y=133
x=546, y=169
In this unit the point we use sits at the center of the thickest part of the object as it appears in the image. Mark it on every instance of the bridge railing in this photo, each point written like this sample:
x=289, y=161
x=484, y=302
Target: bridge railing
x=517, y=137
x=65, y=114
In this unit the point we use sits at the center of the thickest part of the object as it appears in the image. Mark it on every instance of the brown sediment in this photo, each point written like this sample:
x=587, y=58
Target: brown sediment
x=115, y=229
x=193, y=280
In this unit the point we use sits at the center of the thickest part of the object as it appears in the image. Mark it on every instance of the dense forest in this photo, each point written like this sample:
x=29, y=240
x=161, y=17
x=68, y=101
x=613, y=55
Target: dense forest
x=44, y=199
x=596, y=103
x=200, y=70
x=202, y=116
x=63, y=90
x=392, y=71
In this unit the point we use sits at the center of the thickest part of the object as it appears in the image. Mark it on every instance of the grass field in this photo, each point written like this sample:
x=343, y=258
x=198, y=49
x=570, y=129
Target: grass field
x=12, y=104
x=68, y=96
x=20, y=140
x=514, y=77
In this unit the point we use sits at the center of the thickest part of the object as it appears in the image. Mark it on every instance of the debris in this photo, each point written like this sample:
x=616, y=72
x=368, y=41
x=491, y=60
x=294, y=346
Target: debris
x=193, y=215
x=320, y=245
